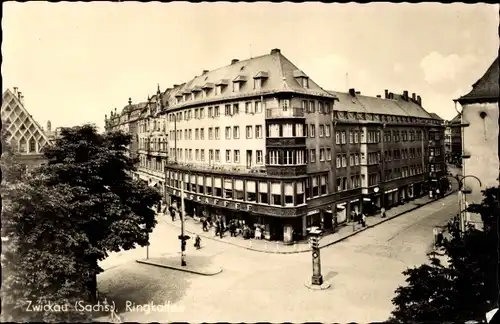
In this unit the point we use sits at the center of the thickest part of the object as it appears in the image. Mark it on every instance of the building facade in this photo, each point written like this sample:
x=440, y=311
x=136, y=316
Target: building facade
x=261, y=142
x=23, y=132
x=480, y=140
x=453, y=141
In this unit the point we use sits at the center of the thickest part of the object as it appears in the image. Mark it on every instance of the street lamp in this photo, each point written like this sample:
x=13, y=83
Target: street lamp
x=465, y=191
x=183, y=238
x=316, y=279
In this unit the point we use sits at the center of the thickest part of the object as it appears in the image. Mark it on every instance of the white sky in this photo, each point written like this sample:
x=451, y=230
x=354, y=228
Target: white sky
x=75, y=62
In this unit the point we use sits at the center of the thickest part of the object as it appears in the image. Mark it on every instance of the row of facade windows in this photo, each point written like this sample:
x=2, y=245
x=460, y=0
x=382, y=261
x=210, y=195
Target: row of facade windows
x=253, y=191
x=403, y=154
x=214, y=133
x=213, y=155
x=254, y=107
x=404, y=172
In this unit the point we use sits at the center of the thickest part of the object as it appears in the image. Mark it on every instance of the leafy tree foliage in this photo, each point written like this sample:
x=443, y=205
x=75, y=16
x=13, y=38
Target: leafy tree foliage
x=462, y=288
x=12, y=171
x=68, y=215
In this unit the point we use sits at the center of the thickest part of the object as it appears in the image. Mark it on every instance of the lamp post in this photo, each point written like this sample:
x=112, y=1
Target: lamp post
x=316, y=281
x=463, y=191
x=183, y=238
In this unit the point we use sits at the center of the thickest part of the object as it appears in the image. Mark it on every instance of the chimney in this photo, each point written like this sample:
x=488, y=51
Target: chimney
x=386, y=94
x=352, y=92
x=19, y=95
x=391, y=95
x=379, y=96
x=205, y=72
x=414, y=97
x=49, y=125
x=234, y=61
x=275, y=51
x=15, y=91
x=419, y=100
x=129, y=101
x=405, y=95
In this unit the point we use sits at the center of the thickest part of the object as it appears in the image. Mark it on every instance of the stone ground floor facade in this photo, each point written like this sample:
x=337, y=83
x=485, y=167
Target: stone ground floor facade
x=289, y=223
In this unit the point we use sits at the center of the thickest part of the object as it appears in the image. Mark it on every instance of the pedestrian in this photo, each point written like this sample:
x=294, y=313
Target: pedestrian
x=205, y=229
x=363, y=219
x=221, y=229
x=383, y=212
x=439, y=241
x=197, y=242
x=172, y=214
x=217, y=228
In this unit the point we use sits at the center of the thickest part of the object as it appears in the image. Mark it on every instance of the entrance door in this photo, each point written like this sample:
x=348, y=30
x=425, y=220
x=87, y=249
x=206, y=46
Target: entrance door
x=249, y=159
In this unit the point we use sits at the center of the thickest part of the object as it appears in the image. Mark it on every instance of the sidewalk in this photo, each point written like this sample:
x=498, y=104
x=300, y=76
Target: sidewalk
x=344, y=231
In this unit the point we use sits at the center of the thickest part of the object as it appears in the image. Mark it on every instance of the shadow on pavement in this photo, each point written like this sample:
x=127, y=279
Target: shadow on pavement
x=137, y=284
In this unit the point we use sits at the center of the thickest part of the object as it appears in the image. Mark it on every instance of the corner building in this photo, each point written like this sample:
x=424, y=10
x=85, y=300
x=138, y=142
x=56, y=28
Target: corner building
x=258, y=140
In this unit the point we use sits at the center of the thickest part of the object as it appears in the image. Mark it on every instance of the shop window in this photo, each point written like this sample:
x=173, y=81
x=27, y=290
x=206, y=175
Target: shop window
x=276, y=193
x=239, y=194
x=288, y=194
x=251, y=192
x=299, y=196
x=324, y=185
x=228, y=188
x=263, y=193
x=315, y=186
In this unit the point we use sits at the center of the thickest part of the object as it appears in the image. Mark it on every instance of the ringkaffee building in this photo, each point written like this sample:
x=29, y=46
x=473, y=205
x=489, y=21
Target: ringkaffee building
x=259, y=140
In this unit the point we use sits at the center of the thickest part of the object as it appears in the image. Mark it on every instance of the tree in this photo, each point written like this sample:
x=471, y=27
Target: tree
x=464, y=288
x=12, y=171
x=72, y=212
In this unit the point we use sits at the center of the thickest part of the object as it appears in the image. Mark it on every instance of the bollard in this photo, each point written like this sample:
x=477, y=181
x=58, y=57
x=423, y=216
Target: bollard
x=277, y=246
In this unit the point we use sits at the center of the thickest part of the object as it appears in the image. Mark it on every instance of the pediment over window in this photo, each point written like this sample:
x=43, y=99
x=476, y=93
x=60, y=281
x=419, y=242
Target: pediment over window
x=208, y=85
x=261, y=75
x=222, y=82
x=196, y=89
x=299, y=74
x=240, y=78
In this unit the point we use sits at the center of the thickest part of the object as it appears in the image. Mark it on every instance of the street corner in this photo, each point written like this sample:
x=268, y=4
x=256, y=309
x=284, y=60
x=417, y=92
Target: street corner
x=198, y=264
x=324, y=286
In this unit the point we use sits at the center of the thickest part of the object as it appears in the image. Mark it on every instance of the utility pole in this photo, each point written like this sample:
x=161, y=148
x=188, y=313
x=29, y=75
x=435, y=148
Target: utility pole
x=182, y=236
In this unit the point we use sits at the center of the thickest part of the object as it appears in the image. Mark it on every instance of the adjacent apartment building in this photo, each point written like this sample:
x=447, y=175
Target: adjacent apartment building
x=453, y=141
x=22, y=131
x=258, y=140
x=480, y=140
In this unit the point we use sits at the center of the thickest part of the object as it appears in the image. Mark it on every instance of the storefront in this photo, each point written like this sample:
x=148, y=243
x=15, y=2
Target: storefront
x=390, y=198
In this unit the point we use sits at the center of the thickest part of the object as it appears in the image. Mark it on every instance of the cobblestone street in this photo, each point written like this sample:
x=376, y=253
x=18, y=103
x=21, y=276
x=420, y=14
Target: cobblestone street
x=364, y=271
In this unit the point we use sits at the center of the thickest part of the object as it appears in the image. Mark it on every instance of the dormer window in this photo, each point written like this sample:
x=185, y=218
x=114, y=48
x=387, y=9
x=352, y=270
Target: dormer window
x=220, y=86
x=301, y=78
x=207, y=87
x=196, y=91
x=178, y=97
x=238, y=82
x=259, y=79
x=187, y=95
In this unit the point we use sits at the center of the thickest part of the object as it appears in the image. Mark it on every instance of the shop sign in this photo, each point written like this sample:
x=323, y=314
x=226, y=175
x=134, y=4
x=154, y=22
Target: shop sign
x=215, y=202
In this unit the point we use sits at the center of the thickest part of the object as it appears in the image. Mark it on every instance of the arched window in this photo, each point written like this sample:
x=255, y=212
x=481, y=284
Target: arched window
x=32, y=146
x=22, y=145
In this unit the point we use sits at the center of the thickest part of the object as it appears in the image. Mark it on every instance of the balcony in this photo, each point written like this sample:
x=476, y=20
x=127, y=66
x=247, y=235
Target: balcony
x=281, y=113
x=285, y=142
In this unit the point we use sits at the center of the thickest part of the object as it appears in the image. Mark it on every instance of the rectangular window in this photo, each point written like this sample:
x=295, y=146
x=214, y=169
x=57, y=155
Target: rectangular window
x=344, y=161
x=313, y=156
x=258, y=131
x=327, y=130
x=312, y=108
x=196, y=134
x=202, y=155
x=339, y=162
x=210, y=133
x=258, y=107
x=228, y=132
x=236, y=109
x=202, y=133
x=228, y=155
x=263, y=193
x=288, y=194
x=328, y=154
x=217, y=133
x=217, y=155
x=236, y=132
x=351, y=137
x=312, y=130
x=324, y=186
x=321, y=130
x=315, y=186
x=227, y=110
x=337, y=137
x=322, y=155
x=284, y=104
x=343, y=137
x=260, y=158
x=236, y=156
x=249, y=131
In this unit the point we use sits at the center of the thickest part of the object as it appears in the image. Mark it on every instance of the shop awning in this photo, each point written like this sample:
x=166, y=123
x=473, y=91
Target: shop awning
x=367, y=199
x=328, y=211
x=341, y=206
x=354, y=201
x=392, y=190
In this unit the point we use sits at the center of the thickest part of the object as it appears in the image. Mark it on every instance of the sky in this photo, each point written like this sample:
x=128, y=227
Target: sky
x=75, y=62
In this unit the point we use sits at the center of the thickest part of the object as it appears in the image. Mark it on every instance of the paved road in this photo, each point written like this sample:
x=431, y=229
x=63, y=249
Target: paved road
x=364, y=272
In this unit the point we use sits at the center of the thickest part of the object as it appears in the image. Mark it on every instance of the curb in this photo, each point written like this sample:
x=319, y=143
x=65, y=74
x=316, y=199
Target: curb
x=203, y=273
x=323, y=246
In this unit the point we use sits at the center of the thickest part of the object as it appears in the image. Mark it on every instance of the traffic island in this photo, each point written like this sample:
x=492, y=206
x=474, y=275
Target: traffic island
x=195, y=264
x=325, y=285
